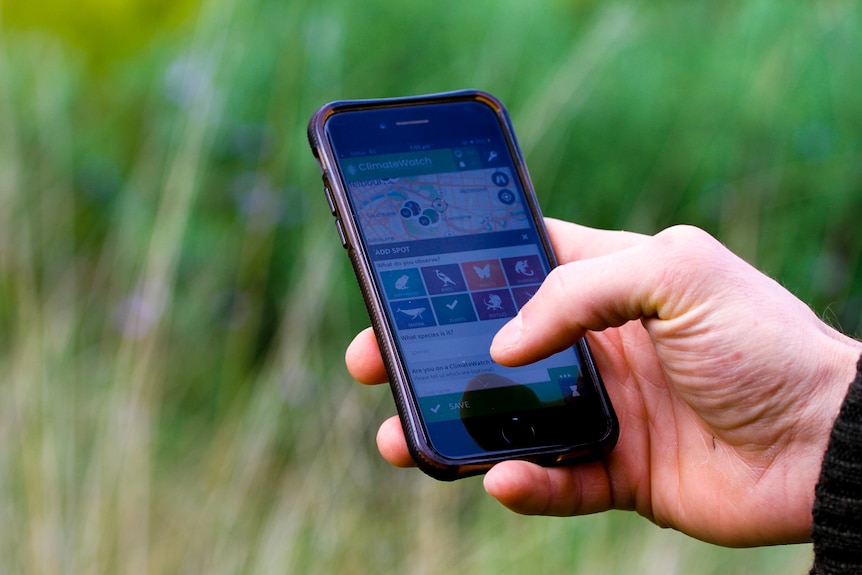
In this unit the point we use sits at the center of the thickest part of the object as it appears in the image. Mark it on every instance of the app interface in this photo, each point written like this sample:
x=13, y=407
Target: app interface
x=456, y=255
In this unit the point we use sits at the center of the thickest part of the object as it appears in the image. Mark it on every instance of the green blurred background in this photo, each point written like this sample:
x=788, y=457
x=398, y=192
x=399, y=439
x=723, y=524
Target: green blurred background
x=175, y=303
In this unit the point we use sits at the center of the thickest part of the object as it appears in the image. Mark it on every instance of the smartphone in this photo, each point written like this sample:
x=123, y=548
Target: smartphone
x=435, y=207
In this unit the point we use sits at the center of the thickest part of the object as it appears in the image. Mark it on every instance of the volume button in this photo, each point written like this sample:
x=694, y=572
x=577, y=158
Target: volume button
x=330, y=201
x=341, y=235
x=328, y=191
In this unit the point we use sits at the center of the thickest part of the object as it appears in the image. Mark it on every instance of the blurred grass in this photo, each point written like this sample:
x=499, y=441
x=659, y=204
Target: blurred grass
x=174, y=303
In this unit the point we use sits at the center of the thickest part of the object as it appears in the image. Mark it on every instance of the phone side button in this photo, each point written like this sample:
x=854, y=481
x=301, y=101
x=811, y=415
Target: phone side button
x=329, y=200
x=328, y=191
x=341, y=235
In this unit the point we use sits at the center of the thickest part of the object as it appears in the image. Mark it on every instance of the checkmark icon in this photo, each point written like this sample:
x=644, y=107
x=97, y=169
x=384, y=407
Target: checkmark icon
x=436, y=408
x=452, y=305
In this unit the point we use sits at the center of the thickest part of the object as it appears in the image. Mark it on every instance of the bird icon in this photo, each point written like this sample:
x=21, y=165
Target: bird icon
x=444, y=278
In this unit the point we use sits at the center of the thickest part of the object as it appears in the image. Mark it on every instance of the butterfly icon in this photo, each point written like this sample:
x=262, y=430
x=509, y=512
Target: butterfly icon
x=483, y=272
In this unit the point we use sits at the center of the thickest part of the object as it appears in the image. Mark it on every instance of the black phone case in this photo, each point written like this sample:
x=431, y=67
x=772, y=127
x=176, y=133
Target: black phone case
x=429, y=460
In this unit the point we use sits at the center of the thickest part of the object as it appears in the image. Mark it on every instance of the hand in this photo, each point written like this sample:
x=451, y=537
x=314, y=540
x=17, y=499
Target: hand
x=726, y=387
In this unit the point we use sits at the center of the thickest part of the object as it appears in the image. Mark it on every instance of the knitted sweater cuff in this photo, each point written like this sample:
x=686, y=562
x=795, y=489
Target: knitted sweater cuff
x=837, y=527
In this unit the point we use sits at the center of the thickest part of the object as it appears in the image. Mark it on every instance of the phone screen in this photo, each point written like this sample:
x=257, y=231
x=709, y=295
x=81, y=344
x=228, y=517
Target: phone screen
x=455, y=251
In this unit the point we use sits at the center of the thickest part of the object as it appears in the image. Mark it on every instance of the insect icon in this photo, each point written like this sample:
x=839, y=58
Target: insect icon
x=483, y=272
x=493, y=302
x=412, y=313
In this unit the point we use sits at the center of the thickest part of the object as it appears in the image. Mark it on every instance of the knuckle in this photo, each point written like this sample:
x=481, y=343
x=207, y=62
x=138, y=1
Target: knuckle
x=687, y=260
x=684, y=236
x=690, y=245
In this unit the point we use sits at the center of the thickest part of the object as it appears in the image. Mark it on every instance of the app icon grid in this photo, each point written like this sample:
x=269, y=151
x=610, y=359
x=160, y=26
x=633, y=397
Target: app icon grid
x=448, y=294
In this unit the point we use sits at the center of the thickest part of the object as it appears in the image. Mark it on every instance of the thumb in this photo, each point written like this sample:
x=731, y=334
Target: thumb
x=660, y=277
x=530, y=489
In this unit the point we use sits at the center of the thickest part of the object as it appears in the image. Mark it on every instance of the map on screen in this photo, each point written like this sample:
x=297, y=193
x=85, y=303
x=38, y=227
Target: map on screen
x=438, y=205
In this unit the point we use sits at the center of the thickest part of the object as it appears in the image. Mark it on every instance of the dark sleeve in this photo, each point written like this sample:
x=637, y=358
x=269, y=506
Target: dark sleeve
x=837, y=528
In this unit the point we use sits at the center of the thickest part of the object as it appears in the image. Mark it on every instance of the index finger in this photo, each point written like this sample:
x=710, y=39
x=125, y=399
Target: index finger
x=363, y=359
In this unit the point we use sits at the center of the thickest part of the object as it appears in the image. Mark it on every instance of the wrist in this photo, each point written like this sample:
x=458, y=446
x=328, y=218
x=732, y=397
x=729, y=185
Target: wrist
x=838, y=503
x=833, y=364
x=838, y=369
